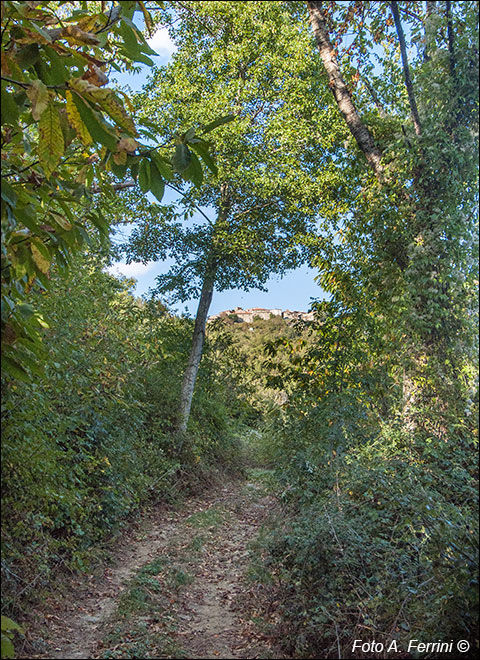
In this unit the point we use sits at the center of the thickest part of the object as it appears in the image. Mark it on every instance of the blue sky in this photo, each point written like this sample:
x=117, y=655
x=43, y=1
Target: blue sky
x=295, y=291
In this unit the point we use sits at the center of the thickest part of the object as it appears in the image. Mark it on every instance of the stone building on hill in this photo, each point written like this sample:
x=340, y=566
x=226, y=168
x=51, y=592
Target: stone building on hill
x=248, y=315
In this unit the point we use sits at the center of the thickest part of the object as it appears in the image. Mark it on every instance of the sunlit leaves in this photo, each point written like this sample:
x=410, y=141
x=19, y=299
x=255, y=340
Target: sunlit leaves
x=63, y=115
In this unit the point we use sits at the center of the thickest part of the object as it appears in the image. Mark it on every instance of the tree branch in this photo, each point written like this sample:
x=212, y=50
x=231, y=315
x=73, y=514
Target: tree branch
x=374, y=95
x=130, y=183
x=406, y=68
x=25, y=85
x=195, y=206
x=340, y=90
x=451, y=41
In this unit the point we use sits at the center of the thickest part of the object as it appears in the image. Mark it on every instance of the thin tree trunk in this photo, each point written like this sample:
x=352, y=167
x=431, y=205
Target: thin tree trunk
x=376, y=100
x=198, y=340
x=340, y=90
x=406, y=68
x=451, y=41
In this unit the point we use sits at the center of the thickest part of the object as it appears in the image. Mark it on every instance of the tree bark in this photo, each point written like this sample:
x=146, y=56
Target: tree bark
x=451, y=41
x=198, y=339
x=406, y=69
x=340, y=90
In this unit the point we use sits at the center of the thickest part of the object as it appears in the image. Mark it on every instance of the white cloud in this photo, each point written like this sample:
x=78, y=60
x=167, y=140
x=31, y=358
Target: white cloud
x=161, y=43
x=135, y=269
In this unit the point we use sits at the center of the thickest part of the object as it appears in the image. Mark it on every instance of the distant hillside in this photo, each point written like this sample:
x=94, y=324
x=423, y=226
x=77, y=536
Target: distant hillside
x=248, y=315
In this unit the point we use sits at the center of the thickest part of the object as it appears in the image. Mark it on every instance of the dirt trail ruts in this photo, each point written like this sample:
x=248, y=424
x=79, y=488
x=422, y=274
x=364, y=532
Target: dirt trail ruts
x=212, y=622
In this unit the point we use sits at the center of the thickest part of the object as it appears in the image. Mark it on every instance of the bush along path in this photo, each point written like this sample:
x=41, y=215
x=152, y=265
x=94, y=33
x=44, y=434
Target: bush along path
x=179, y=590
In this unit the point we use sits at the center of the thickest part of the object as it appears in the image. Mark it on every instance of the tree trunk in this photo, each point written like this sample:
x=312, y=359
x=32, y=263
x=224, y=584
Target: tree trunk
x=406, y=68
x=340, y=90
x=198, y=340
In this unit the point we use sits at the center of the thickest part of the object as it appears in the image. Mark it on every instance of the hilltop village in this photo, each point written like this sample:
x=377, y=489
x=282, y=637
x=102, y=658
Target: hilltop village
x=248, y=315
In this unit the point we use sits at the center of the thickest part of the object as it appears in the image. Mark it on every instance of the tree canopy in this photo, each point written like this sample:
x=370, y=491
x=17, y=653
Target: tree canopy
x=338, y=134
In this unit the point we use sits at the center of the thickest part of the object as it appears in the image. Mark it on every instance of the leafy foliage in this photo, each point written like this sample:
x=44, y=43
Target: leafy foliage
x=262, y=193
x=9, y=627
x=90, y=440
x=375, y=445
x=369, y=414
x=65, y=136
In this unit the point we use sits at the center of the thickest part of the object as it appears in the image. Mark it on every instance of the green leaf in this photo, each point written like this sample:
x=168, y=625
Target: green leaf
x=144, y=175
x=144, y=59
x=218, y=122
x=97, y=128
x=118, y=170
x=8, y=624
x=181, y=158
x=157, y=184
x=8, y=193
x=129, y=38
x=7, y=647
x=100, y=222
x=202, y=150
x=60, y=73
x=26, y=310
x=11, y=368
x=194, y=171
x=163, y=166
x=27, y=217
x=8, y=107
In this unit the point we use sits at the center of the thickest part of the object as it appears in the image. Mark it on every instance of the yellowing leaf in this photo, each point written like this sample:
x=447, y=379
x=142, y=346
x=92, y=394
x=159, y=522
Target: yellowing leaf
x=74, y=35
x=127, y=144
x=120, y=158
x=85, y=88
x=60, y=220
x=76, y=121
x=146, y=16
x=90, y=22
x=40, y=255
x=105, y=98
x=114, y=108
x=50, y=143
x=128, y=103
x=38, y=95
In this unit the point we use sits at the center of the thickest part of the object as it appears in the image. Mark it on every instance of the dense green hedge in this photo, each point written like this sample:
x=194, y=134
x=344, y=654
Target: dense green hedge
x=379, y=534
x=90, y=439
x=387, y=551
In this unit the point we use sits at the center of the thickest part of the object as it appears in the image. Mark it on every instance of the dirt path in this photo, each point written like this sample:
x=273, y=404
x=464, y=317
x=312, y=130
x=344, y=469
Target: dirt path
x=179, y=590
